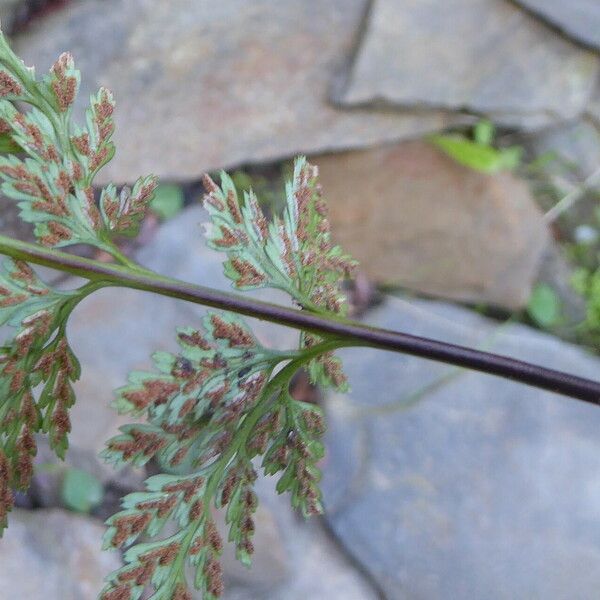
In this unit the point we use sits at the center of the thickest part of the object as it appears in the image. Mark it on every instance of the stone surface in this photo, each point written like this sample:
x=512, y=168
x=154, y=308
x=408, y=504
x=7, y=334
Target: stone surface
x=293, y=560
x=486, y=56
x=452, y=484
x=315, y=567
x=593, y=108
x=7, y=12
x=575, y=144
x=270, y=561
x=10, y=222
x=414, y=217
x=201, y=86
x=568, y=180
x=322, y=572
x=577, y=18
x=53, y=555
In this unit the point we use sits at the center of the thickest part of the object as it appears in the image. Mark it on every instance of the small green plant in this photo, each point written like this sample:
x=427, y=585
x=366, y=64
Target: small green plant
x=544, y=306
x=221, y=407
x=479, y=153
x=167, y=201
x=584, y=252
x=587, y=283
x=81, y=491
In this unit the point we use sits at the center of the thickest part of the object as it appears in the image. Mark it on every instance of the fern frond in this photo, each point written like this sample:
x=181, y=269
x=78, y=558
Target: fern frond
x=54, y=181
x=51, y=177
x=38, y=355
x=294, y=253
x=210, y=410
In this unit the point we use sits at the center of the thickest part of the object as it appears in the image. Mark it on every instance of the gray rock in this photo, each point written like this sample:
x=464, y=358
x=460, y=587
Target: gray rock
x=452, y=484
x=485, y=56
x=11, y=223
x=416, y=218
x=577, y=18
x=593, y=108
x=201, y=86
x=568, y=177
x=270, y=563
x=53, y=555
x=7, y=12
x=575, y=144
x=321, y=572
x=315, y=566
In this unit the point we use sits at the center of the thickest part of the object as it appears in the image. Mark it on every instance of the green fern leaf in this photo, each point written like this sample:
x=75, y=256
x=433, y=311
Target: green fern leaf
x=210, y=408
x=38, y=355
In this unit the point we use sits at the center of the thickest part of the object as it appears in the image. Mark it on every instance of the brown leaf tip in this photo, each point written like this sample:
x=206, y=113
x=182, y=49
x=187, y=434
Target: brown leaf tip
x=249, y=275
x=234, y=333
x=129, y=525
x=181, y=593
x=8, y=85
x=123, y=592
x=139, y=442
x=154, y=392
x=6, y=495
x=214, y=577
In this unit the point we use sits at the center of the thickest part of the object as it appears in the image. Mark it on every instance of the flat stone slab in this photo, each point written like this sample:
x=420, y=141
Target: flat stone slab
x=53, y=555
x=201, y=85
x=414, y=217
x=453, y=484
x=578, y=18
x=484, y=56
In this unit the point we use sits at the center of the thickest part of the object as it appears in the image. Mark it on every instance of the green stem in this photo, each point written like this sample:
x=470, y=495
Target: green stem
x=114, y=251
x=135, y=276
x=342, y=332
x=78, y=295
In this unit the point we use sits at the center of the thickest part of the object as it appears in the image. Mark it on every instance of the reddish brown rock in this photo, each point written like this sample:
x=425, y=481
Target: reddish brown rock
x=415, y=218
